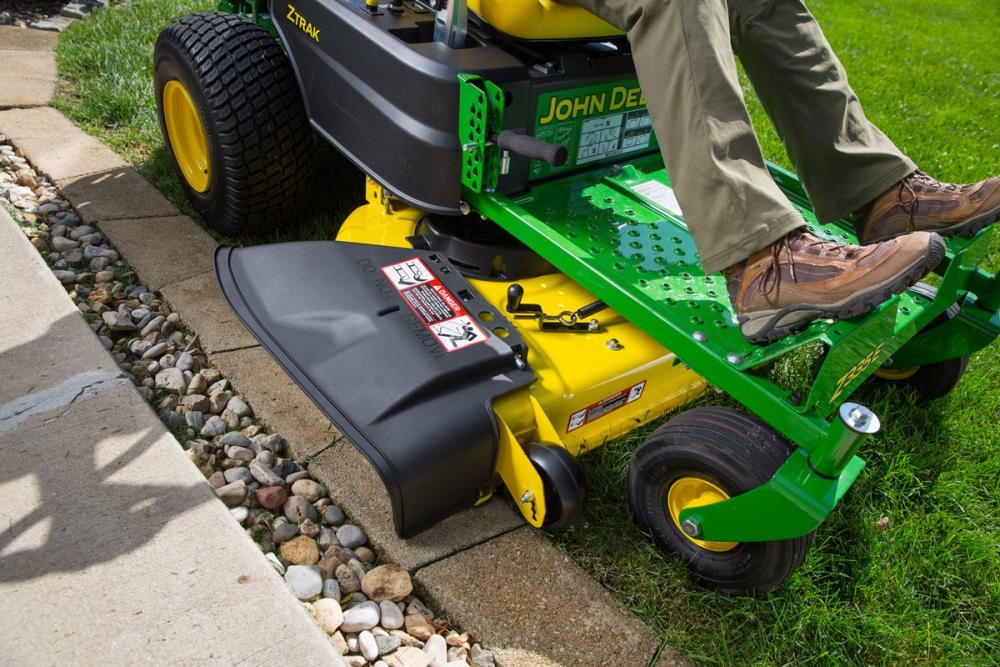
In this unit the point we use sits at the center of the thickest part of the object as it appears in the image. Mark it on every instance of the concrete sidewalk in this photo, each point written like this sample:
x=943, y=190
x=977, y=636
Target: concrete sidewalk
x=113, y=549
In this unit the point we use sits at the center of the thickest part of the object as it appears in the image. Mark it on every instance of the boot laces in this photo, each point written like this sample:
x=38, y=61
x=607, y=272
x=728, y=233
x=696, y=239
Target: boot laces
x=798, y=241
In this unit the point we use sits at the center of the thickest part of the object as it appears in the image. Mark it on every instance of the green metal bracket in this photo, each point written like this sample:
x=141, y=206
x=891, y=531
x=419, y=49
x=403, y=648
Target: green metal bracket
x=791, y=504
x=854, y=357
x=970, y=331
x=481, y=105
x=255, y=10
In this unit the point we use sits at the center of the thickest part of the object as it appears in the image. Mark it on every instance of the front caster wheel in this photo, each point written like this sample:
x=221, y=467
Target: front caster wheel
x=565, y=486
x=703, y=456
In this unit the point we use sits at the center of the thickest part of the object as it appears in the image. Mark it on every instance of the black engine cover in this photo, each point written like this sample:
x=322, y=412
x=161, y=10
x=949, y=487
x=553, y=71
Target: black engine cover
x=389, y=344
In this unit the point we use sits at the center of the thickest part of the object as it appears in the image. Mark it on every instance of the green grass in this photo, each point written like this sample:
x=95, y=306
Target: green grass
x=926, y=590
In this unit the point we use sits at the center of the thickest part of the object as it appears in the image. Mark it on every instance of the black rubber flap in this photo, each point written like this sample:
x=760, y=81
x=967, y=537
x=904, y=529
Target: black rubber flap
x=393, y=347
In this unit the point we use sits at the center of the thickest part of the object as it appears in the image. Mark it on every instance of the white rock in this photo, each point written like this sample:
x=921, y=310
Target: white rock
x=240, y=514
x=328, y=614
x=275, y=562
x=408, y=656
x=362, y=617
x=239, y=407
x=436, y=648
x=369, y=649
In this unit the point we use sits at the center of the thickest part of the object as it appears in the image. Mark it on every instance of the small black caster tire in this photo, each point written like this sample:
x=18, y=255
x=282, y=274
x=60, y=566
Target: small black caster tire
x=564, y=483
x=933, y=380
x=233, y=122
x=703, y=456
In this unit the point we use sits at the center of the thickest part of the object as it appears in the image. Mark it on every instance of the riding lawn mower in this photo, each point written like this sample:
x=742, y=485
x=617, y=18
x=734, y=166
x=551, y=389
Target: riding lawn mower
x=520, y=285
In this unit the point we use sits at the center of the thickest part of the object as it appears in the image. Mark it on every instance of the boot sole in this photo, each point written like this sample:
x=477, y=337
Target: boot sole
x=966, y=228
x=770, y=325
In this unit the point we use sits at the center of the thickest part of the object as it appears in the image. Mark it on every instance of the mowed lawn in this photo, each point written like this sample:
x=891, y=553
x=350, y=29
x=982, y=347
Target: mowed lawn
x=926, y=589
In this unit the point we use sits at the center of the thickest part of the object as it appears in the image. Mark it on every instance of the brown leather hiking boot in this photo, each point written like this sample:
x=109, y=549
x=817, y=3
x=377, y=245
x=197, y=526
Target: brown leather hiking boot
x=778, y=290
x=920, y=203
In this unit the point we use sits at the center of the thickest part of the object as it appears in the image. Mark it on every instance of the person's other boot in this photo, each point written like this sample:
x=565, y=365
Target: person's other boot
x=920, y=203
x=780, y=289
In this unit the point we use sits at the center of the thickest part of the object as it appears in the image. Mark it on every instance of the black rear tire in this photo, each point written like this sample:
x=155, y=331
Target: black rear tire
x=935, y=380
x=735, y=453
x=259, y=142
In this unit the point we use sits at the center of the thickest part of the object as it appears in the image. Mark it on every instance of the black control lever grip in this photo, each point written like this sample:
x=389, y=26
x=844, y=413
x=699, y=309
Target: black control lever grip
x=530, y=147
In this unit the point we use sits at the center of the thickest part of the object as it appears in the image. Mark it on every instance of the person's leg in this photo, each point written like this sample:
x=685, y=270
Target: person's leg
x=779, y=277
x=688, y=75
x=843, y=160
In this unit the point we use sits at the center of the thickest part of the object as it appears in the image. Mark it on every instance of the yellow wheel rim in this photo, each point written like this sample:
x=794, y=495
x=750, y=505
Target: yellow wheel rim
x=694, y=492
x=186, y=135
x=897, y=374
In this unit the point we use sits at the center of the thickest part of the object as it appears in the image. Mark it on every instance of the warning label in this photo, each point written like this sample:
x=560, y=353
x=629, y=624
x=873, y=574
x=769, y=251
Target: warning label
x=434, y=304
x=605, y=406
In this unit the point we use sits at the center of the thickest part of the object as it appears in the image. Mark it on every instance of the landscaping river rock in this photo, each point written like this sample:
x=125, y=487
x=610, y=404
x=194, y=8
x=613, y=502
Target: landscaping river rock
x=367, y=608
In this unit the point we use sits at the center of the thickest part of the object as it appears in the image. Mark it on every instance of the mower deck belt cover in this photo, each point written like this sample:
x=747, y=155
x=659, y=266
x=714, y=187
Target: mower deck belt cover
x=380, y=89
x=388, y=344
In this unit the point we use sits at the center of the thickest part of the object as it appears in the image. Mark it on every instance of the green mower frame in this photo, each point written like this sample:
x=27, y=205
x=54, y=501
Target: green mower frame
x=613, y=227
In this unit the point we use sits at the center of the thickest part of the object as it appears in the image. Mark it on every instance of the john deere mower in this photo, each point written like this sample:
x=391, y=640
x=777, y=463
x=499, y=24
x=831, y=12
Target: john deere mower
x=520, y=285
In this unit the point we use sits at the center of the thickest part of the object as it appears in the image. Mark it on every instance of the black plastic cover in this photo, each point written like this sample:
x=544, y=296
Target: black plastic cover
x=380, y=89
x=416, y=404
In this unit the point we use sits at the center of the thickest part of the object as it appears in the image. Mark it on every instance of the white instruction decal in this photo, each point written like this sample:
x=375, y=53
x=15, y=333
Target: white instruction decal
x=605, y=406
x=434, y=304
x=660, y=194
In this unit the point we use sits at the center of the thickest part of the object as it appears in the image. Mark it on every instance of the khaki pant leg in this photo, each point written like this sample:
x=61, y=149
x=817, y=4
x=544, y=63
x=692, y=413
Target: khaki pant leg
x=843, y=160
x=687, y=71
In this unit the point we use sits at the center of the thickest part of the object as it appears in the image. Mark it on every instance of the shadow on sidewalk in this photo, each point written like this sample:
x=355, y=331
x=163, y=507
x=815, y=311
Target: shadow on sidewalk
x=82, y=483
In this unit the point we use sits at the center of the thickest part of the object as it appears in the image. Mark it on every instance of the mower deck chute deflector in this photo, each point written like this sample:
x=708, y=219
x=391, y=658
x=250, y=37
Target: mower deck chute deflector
x=332, y=317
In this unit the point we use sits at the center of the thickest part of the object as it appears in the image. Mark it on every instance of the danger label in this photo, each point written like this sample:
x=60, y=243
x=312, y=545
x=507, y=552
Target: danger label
x=605, y=406
x=434, y=305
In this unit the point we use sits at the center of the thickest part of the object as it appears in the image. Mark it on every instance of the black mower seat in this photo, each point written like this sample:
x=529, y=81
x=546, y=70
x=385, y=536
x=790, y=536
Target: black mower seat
x=542, y=20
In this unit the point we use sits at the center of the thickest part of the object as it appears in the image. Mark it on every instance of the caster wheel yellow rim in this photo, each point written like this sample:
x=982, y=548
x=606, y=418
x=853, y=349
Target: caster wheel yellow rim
x=897, y=374
x=694, y=492
x=186, y=134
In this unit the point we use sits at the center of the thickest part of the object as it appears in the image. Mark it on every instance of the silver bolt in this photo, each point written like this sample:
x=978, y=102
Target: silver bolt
x=734, y=359
x=860, y=419
x=527, y=496
x=691, y=528
x=470, y=147
x=614, y=345
x=699, y=336
x=464, y=207
x=593, y=325
x=519, y=362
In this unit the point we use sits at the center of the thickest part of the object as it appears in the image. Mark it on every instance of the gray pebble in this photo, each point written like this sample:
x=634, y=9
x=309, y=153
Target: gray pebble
x=240, y=454
x=331, y=589
x=282, y=531
x=263, y=474
x=195, y=419
x=213, y=427
x=238, y=474
x=155, y=351
x=298, y=509
x=333, y=515
x=351, y=536
x=392, y=617
x=305, y=581
x=232, y=494
x=185, y=361
x=235, y=439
